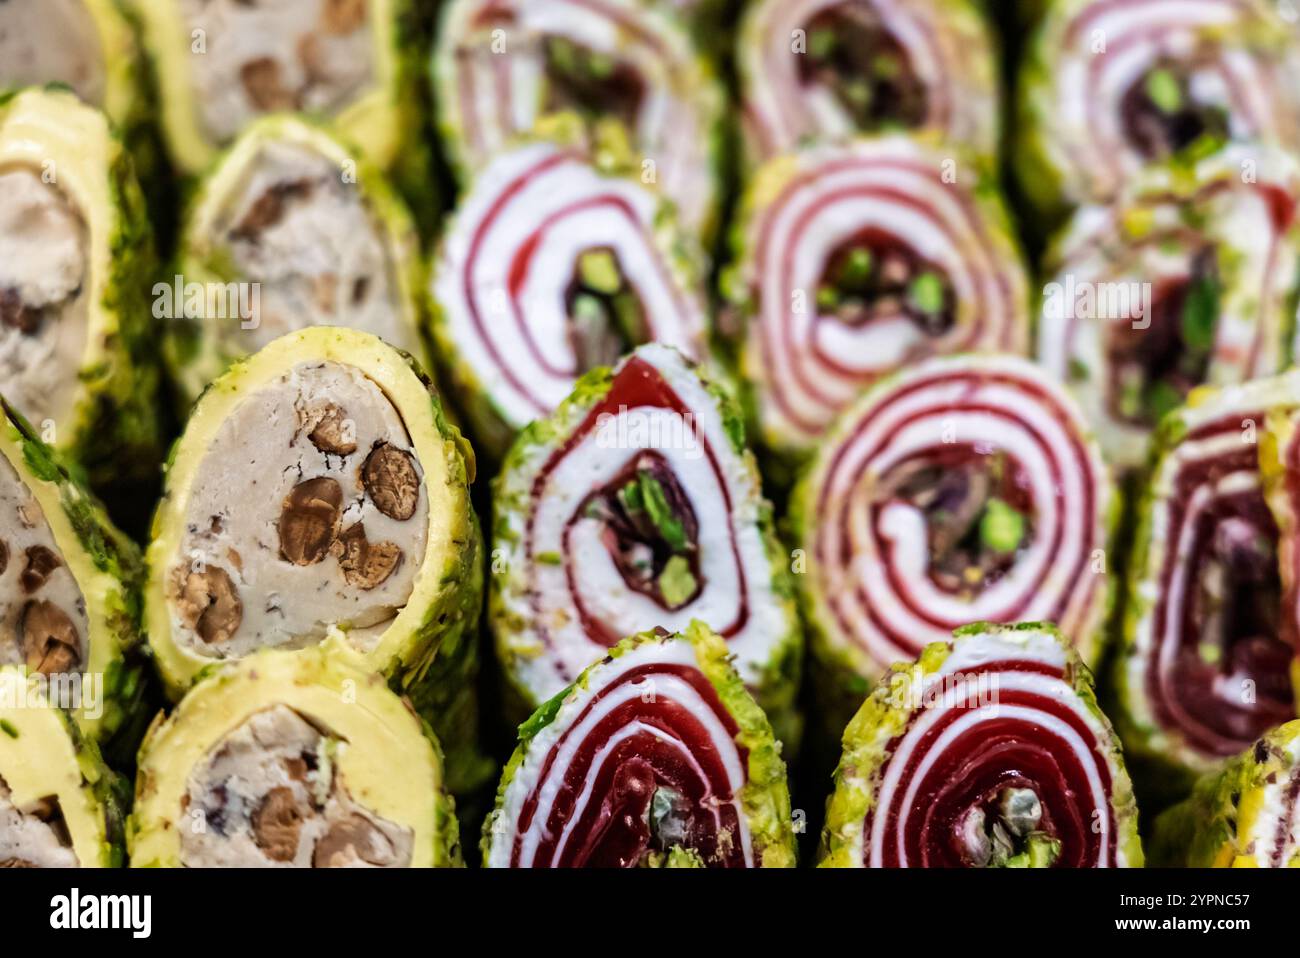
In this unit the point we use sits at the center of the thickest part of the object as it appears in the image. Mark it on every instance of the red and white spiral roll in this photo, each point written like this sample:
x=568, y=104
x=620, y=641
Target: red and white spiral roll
x=964, y=490
x=641, y=761
x=801, y=60
x=913, y=210
x=579, y=564
x=997, y=757
x=1119, y=323
x=508, y=262
x=1206, y=665
x=1113, y=85
x=491, y=71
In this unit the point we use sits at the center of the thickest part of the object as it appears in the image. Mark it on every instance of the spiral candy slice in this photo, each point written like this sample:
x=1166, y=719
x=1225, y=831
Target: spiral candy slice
x=815, y=70
x=637, y=506
x=989, y=751
x=859, y=259
x=502, y=65
x=1110, y=87
x=1203, y=671
x=1279, y=462
x=656, y=756
x=1191, y=277
x=964, y=490
x=552, y=267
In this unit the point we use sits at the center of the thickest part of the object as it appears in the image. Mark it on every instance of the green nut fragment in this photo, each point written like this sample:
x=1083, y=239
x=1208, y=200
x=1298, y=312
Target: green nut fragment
x=1162, y=89
x=857, y=266
x=1002, y=527
x=661, y=513
x=599, y=271
x=676, y=582
x=926, y=293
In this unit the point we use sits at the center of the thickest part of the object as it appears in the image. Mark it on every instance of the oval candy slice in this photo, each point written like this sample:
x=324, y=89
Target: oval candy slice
x=221, y=64
x=292, y=759
x=291, y=229
x=318, y=495
x=76, y=267
x=69, y=591
x=86, y=44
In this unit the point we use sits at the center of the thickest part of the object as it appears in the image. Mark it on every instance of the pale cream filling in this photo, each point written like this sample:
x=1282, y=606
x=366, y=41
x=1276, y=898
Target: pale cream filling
x=306, y=237
x=28, y=840
x=34, y=592
x=51, y=41
x=44, y=295
x=250, y=57
x=269, y=795
x=242, y=515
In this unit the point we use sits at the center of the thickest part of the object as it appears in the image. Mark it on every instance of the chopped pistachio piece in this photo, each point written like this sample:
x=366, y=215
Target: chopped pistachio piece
x=1161, y=400
x=857, y=266
x=631, y=496
x=599, y=271
x=821, y=43
x=1162, y=89
x=926, y=293
x=661, y=513
x=1041, y=851
x=600, y=65
x=676, y=583
x=1200, y=313
x=1001, y=527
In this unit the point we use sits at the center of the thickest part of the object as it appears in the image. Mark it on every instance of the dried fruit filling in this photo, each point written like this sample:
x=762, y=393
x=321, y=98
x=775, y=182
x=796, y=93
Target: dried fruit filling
x=606, y=317
x=261, y=56
x=590, y=82
x=978, y=512
x=650, y=530
x=1171, y=107
x=307, y=512
x=1153, y=366
x=1008, y=828
x=270, y=794
x=852, y=53
x=1231, y=663
x=876, y=277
